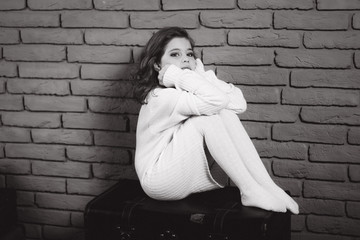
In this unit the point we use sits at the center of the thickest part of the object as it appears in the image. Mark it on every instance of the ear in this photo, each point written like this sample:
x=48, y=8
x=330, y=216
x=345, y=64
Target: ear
x=157, y=67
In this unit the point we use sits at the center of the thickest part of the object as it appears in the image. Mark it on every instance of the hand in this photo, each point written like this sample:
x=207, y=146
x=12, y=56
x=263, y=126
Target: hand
x=161, y=74
x=199, y=66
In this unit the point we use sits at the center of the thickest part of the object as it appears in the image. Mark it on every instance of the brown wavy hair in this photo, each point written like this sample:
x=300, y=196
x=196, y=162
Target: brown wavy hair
x=146, y=77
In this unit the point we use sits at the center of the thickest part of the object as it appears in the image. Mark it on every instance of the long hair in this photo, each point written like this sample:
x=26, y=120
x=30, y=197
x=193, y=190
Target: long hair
x=146, y=78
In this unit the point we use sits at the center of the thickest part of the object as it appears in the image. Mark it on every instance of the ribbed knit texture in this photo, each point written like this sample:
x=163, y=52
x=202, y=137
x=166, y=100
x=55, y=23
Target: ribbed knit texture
x=161, y=126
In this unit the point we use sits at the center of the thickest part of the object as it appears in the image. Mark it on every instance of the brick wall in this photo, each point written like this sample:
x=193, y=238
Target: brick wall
x=68, y=120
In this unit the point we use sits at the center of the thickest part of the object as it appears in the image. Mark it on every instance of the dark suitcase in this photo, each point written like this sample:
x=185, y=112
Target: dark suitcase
x=125, y=212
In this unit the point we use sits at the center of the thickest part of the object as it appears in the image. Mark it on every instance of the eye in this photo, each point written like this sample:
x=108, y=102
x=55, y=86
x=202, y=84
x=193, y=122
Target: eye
x=190, y=54
x=174, y=54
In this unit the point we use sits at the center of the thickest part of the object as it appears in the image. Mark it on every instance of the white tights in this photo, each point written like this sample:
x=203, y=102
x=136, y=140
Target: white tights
x=231, y=147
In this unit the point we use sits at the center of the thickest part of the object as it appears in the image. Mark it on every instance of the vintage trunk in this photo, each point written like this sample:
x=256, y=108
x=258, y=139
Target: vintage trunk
x=125, y=212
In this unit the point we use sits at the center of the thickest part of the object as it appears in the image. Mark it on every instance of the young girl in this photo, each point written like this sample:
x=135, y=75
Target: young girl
x=187, y=111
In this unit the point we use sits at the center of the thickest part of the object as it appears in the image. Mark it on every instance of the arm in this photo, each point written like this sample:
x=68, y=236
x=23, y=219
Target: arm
x=237, y=102
x=200, y=97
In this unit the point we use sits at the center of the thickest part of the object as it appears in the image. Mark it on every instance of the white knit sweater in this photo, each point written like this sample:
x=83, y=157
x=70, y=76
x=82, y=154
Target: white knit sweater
x=186, y=93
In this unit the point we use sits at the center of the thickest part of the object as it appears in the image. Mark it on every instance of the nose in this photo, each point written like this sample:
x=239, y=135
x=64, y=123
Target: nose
x=185, y=58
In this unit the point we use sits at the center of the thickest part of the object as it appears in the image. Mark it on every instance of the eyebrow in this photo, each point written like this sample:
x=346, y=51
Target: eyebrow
x=177, y=49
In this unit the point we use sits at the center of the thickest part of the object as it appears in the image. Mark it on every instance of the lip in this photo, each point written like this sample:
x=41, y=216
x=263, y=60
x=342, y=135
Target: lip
x=186, y=68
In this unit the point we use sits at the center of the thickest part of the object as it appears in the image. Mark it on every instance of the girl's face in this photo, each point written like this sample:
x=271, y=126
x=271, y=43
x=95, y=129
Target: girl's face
x=179, y=52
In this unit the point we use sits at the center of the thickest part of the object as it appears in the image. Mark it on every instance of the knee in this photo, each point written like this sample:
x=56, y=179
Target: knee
x=204, y=122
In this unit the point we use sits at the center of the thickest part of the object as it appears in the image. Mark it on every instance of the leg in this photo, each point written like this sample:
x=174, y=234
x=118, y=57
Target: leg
x=252, y=159
x=223, y=150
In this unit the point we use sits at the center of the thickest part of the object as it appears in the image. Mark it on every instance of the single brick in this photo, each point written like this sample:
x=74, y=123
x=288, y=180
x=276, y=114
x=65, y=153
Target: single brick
x=297, y=224
x=61, y=169
x=15, y=166
x=333, y=225
x=353, y=209
x=333, y=115
x=29, y=19
x=275, y=4
x=114, y=139
x=11, y=102
x=36, y=151
x=309, y=133
x=98, y=154
x=311, y=20
x=99, y=54
x=8, y=69
x=336, y=154
x=329, y=40
x=9, y=36
x=91, y=19
x=2, y=150
x=313, y=58
x=33, y=230
x=44, y=216
x=205, y=37
x=254, y=76
x=24, y=198
x=88, y=186
x=356, y=21
x=284, y=150
x=357, y=60
x=338, y=4
x=127, y=4
x=320, y=97
x=105, y=71
x=236, y=19
x=117, y=37
x=55, y=104
x=315, y=171
x=32, y=86
x=354, y=173
x=2, y=85
x=133, y=122
x=264, y=38
x=114, y=172
x=321, y=207
x=66, y=232
x=354, y=136
x=53, y=36
x=332, y=190
x=197, y=4
x=257, y=130
x=13, y=134
x=12, y=4
x=62, y=136
x=94, y=121
x=47, y=53
x=261, y=94
x=238, y=56
x=109, y=105
x=325, y=78
x=77, y=219
x=36, y=183
x=318, y=236
x=102, y=88
x=59, y=4
x=48, y=70
x=163, y=19
x=271, y=113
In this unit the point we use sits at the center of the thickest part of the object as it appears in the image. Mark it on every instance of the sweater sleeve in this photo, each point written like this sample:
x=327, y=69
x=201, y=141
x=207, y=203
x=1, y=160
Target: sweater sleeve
x=237, y=102
x=200, y=97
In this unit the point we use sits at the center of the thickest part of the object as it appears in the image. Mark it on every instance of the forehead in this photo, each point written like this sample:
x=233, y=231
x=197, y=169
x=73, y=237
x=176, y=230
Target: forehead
x=178, y=43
